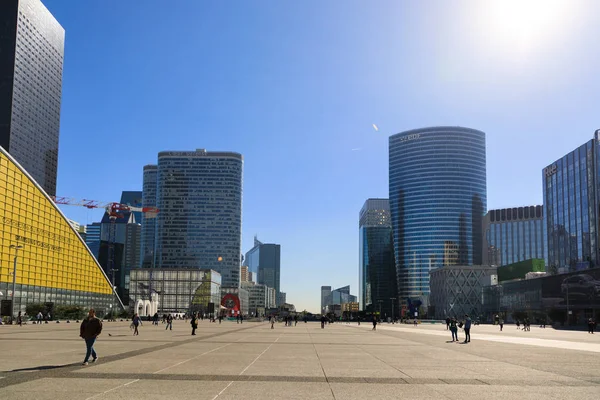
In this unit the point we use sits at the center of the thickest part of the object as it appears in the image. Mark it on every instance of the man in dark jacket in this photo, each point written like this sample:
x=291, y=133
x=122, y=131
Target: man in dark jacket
x=90, y=329
x=194, y=324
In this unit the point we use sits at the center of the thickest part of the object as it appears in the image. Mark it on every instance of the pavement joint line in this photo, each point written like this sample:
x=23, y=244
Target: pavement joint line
x=190, y=359
x=223, y=391
x=256, y=359
x=112, y=390
x=16, y=378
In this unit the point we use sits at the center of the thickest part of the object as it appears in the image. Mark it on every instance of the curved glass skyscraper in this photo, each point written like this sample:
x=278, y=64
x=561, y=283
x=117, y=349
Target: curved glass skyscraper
x=438, y=198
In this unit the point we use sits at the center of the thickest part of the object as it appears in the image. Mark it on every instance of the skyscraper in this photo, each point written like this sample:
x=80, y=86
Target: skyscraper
x=571, y=204
x=515, y=234
x=438, y=198
x=133, y=198
x=325, y=297
x=148, y=224
x=92, y=239
x=377, y=268
x=31, y=67
x=199, y=195
x=264, y=261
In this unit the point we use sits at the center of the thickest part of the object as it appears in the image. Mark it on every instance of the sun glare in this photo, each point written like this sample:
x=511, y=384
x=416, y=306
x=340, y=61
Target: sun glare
x=525, y=23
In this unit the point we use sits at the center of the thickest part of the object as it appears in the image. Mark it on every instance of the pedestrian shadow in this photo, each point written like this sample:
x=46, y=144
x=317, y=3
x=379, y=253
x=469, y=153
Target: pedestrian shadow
x=42, y=368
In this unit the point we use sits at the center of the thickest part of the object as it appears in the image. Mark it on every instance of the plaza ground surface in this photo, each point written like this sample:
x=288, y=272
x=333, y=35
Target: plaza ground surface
x=251, y=361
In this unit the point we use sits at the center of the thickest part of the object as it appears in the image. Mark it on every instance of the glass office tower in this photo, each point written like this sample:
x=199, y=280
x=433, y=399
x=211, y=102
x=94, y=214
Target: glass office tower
x=437, y=188
x=377, y=267
x=148, y=224
x=571, y=208
x=199, y=225
x=514, y=234
x=264, y=261
x=31, y=67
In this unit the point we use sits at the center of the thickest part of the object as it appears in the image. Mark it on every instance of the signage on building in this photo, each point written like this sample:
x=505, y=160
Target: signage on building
x=414, y=136
x=551, y=170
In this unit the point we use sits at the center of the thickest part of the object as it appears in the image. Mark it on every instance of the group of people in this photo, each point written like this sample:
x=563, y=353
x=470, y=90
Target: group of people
x=452, y=325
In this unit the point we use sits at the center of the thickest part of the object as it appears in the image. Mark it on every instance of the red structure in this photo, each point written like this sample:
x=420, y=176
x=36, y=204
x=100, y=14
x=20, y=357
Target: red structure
x=232, y=303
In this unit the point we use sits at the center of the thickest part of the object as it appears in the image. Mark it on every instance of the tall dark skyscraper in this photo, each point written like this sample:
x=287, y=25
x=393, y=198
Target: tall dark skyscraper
x=377, y=268
x=31, y=68
x=264, y=261
x=438, y=197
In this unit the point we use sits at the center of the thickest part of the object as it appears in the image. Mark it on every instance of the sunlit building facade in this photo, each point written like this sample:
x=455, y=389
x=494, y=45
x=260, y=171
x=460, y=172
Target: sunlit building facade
x=31, y=67
x=54, y=266
x=438, y=196
x=515, y=234
x=571, y=204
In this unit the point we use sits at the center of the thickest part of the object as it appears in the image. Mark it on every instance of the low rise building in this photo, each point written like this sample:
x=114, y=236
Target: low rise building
x=457, y=290
x=260, y=298
x=177, y=290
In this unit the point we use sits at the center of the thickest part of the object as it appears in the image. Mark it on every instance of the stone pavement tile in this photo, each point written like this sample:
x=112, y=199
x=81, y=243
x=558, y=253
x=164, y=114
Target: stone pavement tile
x=349, y=391
x=500, y=392
x=292, y=368
x=358, y=372
x=144, y=389
x=451, y=372
x=277, y=390
x=61, y=385
x=10, y=394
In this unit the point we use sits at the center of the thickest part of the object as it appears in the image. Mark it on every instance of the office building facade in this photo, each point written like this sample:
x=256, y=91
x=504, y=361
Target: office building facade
x=31, y=68
x=377, y=267
x=92, y=238
x=133, y=198
x=54, y=266
x=264, y=262
x=571, y=204
x=515, y=234
x=437, y=188
x=174, y=291
x=149, y=186
x=260, y=298
x=199, y=195
x=325, y=297
x=456, y=290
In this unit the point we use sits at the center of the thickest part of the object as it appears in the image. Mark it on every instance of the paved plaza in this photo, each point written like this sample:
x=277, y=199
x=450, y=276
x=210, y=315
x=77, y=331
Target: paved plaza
x=251, y=361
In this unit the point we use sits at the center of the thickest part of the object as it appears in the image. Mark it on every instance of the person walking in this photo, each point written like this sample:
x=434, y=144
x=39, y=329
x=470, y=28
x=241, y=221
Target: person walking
x=20, y=319
x=39, y=317
x=323, y=320
x=272, y=320
x=518, y=324
x=90, y=329
x=453, y=326
x=501, y=323
x=447, y=323
x=194, y=324
x=137, y=321
x=241, y=319
x=374, y=323
x=591, y=325
x=169, y=322
x=467, y=329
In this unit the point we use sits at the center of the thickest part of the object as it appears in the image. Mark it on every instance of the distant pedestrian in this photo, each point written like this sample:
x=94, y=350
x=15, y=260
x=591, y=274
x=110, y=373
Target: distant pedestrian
x=527, y=325
x=272, y=320
x=169, y=322
x=238, y=318
x=518, y=324
x=155, y=319
x=415, y=322
x=374, y=323
x=323, y=321
x=295, y=320
x=358, y=320
x=453, y=329
x=591, y=325
x=39, y=317
x=136, y=322
x=20, y=319
x=241, y=319
x=194, y=324
x=90, y=329
x=49, y=317
x=447, y=323
x=467, y=329
x=501, y=323
x=220, y=318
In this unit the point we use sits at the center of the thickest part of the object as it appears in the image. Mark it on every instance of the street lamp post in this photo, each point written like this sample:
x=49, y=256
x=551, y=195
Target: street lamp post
x=393, y=299
x=14, y=280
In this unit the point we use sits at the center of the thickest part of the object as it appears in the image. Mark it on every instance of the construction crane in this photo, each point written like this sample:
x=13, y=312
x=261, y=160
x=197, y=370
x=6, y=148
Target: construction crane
x=114, y=211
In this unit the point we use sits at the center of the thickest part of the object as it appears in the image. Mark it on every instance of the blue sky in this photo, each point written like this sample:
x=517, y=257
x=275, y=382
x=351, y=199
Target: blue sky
x=295, y=87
